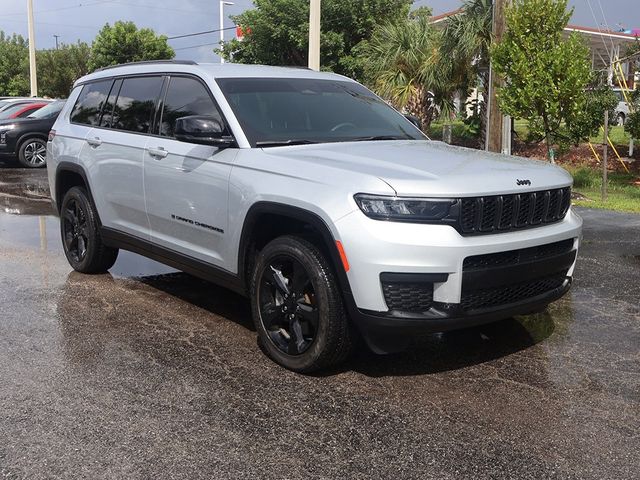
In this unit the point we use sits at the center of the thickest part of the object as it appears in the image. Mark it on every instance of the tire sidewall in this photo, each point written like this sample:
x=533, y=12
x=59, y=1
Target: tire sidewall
x=291, y=247
x=21, y=152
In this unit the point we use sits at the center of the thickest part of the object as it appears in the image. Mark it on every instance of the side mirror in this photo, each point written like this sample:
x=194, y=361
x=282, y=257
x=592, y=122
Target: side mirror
x=202, y=130
x=415, y=120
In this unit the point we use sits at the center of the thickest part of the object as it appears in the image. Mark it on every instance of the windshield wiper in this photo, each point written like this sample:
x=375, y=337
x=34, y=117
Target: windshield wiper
x=281, y=143
x=378, y=137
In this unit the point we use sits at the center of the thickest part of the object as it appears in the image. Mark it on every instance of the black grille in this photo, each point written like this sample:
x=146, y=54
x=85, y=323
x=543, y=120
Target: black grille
x=408, y=297
x=513, y=257
x=505, y=295
x=501, y=213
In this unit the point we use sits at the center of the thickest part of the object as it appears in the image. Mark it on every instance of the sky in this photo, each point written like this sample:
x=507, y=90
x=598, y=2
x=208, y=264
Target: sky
x=74, y=20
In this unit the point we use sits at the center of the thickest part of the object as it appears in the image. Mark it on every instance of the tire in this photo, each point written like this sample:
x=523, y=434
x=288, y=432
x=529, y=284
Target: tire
x=305, y=330
x=33, y=153
x=81, y=240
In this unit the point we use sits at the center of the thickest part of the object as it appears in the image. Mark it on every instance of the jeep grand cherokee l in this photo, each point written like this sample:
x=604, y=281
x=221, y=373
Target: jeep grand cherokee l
x=310, y=195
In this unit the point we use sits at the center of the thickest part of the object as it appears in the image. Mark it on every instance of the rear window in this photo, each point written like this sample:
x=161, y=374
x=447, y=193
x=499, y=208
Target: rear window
x=90, y=102
x=135, y=107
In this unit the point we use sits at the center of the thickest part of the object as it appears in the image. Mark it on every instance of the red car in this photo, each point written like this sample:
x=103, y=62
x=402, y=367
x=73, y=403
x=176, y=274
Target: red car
x=21, y=110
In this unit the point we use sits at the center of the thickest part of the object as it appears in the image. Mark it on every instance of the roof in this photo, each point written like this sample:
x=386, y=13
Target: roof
x=210, y=70
x=575, y=28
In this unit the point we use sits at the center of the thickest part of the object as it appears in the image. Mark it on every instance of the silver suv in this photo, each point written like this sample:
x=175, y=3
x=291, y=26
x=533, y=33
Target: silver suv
x=306, y=192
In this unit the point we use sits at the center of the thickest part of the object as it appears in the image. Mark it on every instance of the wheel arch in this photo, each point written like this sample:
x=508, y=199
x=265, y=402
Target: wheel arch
x=26, y=136
x=70, y=175
x=263, y=214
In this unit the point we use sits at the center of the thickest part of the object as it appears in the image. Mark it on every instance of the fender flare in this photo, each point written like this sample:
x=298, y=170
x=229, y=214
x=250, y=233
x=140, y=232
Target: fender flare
x=300, y=214
x=77, y=169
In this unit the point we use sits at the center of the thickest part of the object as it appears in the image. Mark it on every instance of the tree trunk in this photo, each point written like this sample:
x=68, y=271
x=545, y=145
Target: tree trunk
x=484, y=81
x=547, y=137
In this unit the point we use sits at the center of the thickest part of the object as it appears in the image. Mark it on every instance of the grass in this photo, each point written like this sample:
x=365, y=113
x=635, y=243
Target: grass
x=623, y=196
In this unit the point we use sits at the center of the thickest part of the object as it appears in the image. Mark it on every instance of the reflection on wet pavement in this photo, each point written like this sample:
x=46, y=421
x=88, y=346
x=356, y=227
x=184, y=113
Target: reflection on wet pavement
x=151, y=373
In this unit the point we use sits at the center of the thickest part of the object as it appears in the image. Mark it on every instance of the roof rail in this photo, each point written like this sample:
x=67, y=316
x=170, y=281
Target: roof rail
x=149, y=62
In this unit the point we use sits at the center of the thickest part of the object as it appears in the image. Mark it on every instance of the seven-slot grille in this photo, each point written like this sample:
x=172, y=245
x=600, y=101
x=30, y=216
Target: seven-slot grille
x=502, y=213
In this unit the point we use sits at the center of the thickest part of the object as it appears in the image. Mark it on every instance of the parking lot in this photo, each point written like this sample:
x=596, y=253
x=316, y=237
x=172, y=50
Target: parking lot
x=150, y=373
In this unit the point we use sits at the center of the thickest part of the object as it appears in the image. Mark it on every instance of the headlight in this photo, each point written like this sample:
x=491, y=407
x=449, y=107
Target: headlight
x=408, y=209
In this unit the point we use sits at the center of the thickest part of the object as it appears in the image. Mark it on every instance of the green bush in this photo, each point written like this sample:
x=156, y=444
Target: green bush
x=586, y=178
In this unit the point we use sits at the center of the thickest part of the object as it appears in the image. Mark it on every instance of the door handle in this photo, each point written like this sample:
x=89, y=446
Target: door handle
x=158, y=152
x=94, y=142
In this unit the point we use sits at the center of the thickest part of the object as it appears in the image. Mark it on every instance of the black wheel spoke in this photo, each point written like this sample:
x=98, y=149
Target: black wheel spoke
x=309, y=314
x=277, y=279
x=70, y=216
x=297, y=342
x=271, y=316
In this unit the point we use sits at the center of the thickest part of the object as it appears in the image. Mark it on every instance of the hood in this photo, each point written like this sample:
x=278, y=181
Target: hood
x=25, y=121
x=432, y=168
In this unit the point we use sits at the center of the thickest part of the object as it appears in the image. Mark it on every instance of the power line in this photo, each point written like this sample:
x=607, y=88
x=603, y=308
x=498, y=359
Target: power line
x=197, y=46
x=61, y=8
x=200, y=33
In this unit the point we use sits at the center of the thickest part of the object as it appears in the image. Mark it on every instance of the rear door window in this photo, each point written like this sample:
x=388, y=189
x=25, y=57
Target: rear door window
x=186, y=97
x=136, y=103
x=90, y=102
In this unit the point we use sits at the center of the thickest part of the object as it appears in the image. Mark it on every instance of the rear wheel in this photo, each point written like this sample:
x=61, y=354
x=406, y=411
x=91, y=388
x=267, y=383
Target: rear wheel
x=81, y=240
x=297, y=307
x=33, y=153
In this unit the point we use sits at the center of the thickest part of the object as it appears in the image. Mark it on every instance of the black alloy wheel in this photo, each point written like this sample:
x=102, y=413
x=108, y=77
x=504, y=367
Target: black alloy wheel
x=75, y=232
x=288, y=307
x=297, y=306
x=81, y=239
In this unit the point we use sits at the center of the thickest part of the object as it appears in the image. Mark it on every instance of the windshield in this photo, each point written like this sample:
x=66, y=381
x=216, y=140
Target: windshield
x=276, y=111
x=50, y=111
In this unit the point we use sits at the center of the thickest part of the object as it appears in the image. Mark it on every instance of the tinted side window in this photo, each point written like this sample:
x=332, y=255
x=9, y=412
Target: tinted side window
x=89, y=104
x=185, y=97
x=107, y=110
x=136, y=103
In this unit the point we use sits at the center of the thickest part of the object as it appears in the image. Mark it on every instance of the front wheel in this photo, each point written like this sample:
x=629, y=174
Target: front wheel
x=81, y=240
x=33, y=153
x=297, y=307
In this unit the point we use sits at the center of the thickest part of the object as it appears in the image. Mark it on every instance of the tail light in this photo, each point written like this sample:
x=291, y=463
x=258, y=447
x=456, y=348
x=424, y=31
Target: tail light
x=52, y=135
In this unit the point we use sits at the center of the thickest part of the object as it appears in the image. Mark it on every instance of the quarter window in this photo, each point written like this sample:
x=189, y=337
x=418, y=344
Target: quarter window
x=185, y=97
x=89, y=104
x=136, y=104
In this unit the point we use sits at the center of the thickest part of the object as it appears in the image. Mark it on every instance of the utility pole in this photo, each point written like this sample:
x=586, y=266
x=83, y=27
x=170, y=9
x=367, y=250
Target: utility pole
x=32, y=51
x=497, y=139
x=314, y=35
x=222, y=4
x=604, y=155
x=56, y=37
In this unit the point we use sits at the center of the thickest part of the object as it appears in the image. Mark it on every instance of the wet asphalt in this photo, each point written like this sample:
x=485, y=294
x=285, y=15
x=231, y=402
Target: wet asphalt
x=148, y=373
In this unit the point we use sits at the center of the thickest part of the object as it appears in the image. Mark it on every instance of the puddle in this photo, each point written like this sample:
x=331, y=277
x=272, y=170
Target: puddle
x=42, y=233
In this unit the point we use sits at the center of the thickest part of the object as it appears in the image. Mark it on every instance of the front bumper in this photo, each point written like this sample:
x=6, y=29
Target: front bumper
x=375, y=248
x=389, y=333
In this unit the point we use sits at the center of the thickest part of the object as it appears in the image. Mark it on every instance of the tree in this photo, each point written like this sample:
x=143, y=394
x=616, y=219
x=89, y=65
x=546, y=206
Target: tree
x=59, y=68
x=14, y=65
x=404, y=64
x=124, y=42
x=466, y=42
x=632, y=125
x=545, y=74
x=588, y=120
x=278, y=32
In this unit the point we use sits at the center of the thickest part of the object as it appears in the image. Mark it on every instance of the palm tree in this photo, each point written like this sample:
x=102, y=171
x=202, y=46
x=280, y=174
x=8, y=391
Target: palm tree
x=404, y=65
x=466, y=41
